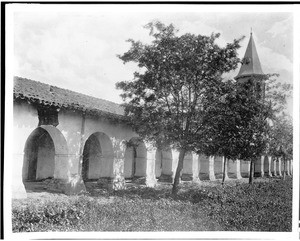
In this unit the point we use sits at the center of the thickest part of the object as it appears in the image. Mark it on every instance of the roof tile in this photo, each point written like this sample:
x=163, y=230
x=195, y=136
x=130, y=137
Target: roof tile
x=35, y=91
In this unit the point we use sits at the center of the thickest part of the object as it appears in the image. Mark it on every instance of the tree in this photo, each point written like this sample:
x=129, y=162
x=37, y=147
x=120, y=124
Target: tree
x=221, y=127
x=238, y=123
x=255, y=111
x=261, y=100
x=166, y=102
x=281, y=139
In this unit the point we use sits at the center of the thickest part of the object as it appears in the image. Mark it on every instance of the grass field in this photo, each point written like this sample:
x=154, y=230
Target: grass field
x=264, y=206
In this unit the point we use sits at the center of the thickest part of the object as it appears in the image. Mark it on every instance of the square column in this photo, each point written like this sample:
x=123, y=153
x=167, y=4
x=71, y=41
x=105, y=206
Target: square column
x=226, y=168
x=118, y=181
x=211, y=168
x=195, y=171
x=288, y=167
x=273, y=167
x=267, y=166
x=18, y=188
x=238, y=169
x=150, y=169
x=278, y=167
x=175, y=156
x=282, y=166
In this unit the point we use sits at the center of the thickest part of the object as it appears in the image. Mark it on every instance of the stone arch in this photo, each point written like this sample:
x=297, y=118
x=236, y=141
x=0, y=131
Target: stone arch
x=97, y=157
x=45, y=154
x=135, y=164
x=163, y=162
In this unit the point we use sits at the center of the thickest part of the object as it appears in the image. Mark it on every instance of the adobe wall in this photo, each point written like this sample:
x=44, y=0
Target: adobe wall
x=25, y=120
x=76, y=133
x=75, y=130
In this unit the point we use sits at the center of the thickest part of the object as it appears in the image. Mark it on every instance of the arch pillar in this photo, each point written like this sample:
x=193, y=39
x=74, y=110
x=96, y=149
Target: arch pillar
x=18, y=188
x=288, y=167
x=175, y=156
x=211, y=168
x=272, y=166
x=226, y=168
x=150, y=166
x=267, y=166
x=23, y=125
x=282, y=166
x=63, y=180
x=275, y=168
x=278, y=167
x=238, y=169
x=196, y=168
x=119, y=147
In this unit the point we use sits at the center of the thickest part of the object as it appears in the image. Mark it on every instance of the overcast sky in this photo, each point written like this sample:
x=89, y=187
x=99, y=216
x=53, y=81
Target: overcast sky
x=78, y=49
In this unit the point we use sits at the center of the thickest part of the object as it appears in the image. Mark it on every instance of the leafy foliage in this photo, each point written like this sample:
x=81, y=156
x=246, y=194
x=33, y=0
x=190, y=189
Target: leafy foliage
x=166, y=102
x=281, y=137
x=276, y=94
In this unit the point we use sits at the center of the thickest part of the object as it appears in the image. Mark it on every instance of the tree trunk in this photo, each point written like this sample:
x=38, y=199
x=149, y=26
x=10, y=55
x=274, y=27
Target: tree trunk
x=178, y=171
x=251, y=173
x=224, y=170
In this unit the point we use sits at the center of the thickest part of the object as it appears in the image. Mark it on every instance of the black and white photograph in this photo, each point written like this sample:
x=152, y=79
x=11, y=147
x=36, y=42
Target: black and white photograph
x=134, y=121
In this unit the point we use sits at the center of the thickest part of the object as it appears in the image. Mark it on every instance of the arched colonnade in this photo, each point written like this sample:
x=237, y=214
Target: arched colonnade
x=46, y=157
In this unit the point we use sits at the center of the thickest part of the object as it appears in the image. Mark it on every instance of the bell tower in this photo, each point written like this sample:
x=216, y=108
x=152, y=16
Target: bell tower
x=251, y=74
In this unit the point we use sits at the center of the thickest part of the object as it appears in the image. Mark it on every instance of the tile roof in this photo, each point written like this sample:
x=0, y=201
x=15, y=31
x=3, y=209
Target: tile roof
x=45, y=94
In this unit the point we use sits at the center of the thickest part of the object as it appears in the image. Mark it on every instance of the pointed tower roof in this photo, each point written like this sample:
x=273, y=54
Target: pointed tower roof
x=251, y=64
